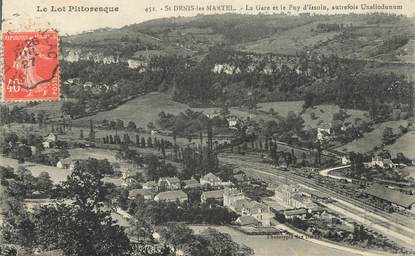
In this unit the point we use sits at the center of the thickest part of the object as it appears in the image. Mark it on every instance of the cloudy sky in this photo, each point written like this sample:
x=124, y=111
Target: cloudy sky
x=23, y=15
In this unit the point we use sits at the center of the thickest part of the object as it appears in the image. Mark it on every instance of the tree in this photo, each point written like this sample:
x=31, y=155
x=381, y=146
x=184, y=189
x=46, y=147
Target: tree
x=80, y=227
x=388, y=137
x=119, y=124
x=16, y=225
x=222, y=244
x=43, y=183
x=149, y=142
x=151, y=126
x=73, y=109
x=131, y=126
x=176, y=234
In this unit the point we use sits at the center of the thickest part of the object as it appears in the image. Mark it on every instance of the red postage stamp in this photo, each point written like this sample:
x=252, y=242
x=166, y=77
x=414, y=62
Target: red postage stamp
x=30, y=66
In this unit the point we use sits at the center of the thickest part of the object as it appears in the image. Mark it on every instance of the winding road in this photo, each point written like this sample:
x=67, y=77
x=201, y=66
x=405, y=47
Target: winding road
x=326, y=173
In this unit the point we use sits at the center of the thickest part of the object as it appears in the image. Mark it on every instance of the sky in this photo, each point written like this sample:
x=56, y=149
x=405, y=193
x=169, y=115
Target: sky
x=24, y=15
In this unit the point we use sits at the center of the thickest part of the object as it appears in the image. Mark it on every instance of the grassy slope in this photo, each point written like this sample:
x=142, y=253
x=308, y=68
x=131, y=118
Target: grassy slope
x=362, y=43
x=373, y=138
x=324, y=115
x=404, y=144
x=287, y=42
x=143, y=109
x=282, y=107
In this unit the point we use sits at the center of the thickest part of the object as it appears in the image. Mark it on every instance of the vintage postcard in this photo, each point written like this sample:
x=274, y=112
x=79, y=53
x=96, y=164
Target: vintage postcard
x=207, y=127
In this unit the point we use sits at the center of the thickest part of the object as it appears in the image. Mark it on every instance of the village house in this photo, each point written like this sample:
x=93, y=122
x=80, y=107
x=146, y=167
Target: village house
x=52, y=137
x=214, y=181
x=64, y=163
x=147, y=194
x=191, y=183
x=300, y=213
x=345, y=160
x=171, y=196
x=210, y=179
x=377, y=161
x=150, y=185
x=68, y=163
x=49, y=140
x=216, y=195
x=233, y=122
x=241, y=178
x=323, y=132
x=237, y=202
x=128, y=177
x=247, y=221
x=169, y=183
x=74, y=162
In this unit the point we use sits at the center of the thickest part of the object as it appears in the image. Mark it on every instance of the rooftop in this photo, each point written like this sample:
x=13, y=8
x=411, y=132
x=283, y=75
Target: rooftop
x=247, y=220
x=170, y=179
x=190, y=181
x=213, y=194
x=294, y=212
x=143, y=192
x=211, y=176
x=172, y=195
x=393, y=196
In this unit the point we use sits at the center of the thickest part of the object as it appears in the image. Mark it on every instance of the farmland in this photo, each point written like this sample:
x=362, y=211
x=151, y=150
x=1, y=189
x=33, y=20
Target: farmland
x=143, y=109
x=57, y=175
x=288, y=42
x=373, y=138
x=282, y=107
x=324, y=115
x=404, y=144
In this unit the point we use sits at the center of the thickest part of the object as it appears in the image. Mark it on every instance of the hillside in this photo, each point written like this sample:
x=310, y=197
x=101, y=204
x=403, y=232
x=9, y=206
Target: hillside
x=357, y=35
x=374, y=138
x=142, y=110
x=239, y=61
x=145, y=109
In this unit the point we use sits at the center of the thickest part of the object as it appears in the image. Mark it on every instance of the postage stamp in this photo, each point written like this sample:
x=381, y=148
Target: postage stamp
x=31, y=66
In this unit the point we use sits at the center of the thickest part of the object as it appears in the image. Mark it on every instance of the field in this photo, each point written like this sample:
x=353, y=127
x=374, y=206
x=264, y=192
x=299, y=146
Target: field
x=324, y=115
x=271, y=247
x=282, y=107
x=52, y=108
x=57, y=175
x=98, y=153
x=404, y=144
x=288, y=42
x=143, y=109
x=373, y=138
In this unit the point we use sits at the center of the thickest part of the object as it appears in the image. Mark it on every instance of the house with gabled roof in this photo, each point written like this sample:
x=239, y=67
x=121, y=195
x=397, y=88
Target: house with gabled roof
x=236, y=201
x=147, y=194
x=191, y=183
x=171, y=196
x=216, y=195
x=211, y=179
x=150, y=185
x=169, y=183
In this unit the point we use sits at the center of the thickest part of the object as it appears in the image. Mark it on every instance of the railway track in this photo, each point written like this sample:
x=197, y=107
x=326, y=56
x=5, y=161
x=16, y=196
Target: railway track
x=398, y=227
